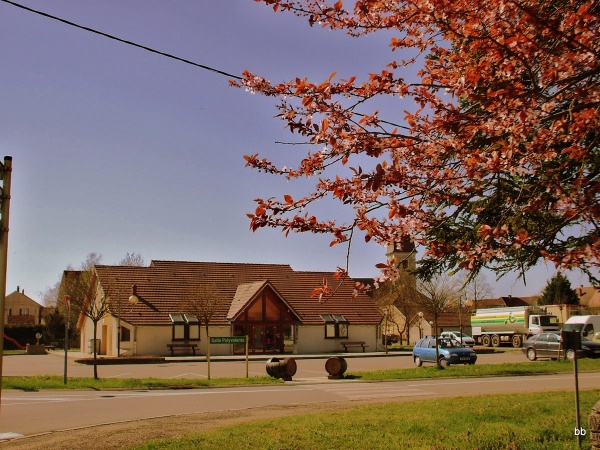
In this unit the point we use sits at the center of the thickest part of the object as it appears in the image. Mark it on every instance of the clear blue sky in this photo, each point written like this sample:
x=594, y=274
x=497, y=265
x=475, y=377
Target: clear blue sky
x=119, y=150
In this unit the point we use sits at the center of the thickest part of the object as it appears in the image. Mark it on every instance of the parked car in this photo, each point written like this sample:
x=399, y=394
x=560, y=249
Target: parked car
x=590, y=349
x=547, y=345
x=544, y=345
x=467, y=341
x=450, y=352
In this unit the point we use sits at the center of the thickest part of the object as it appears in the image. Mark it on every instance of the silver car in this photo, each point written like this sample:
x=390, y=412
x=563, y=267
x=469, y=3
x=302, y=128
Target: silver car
x=467, y=341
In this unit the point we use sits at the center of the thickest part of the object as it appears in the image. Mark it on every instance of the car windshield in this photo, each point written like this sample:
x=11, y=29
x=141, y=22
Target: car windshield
x=572, y=327
x=548, y=320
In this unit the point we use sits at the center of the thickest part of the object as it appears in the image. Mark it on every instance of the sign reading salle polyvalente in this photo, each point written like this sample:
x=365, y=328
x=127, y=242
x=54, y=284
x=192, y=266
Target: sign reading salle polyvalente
x=228, y=340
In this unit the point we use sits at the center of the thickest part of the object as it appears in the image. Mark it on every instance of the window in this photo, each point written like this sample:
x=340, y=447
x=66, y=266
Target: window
x=186, y=327
x=125, y=334
x=178, y=327
x=193, y=326
x=336, y=326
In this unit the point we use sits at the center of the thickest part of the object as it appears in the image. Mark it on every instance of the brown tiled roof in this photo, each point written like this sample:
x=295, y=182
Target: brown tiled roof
x=162, y=286
x=499, y=302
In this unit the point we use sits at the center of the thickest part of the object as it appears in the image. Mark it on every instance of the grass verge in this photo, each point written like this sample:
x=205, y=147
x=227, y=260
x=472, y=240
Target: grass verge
x=478, y=370
x=35, y=383
x=536, y=421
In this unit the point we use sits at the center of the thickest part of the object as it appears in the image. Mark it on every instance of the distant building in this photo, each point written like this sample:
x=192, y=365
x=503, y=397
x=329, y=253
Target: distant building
x=21, y=310
x=501, y=302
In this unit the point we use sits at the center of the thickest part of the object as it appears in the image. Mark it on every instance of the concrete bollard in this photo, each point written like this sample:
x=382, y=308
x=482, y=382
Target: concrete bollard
x=36, y=349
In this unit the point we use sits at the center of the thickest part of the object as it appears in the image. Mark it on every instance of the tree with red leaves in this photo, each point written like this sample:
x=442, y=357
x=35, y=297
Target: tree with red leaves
x=495, y=160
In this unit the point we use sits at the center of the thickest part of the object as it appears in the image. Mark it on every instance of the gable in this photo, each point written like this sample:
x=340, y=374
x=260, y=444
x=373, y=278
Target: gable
x=260, y=301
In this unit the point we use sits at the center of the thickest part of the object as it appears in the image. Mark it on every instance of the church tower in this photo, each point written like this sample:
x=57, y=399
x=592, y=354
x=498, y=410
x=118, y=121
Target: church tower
x=404, y=252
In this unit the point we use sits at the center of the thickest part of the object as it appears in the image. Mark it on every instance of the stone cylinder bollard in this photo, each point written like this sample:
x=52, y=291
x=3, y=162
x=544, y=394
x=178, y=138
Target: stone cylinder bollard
x=594, y=424
x=335, y=367
x=285, y=369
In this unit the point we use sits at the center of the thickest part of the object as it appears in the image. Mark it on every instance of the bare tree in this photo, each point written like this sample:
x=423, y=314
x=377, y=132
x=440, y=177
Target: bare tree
x=203, y=301
x=50, y=295
x=86, y=300
x=132, y=259
x=438, y=295
x=477, y=288
x=401, y=293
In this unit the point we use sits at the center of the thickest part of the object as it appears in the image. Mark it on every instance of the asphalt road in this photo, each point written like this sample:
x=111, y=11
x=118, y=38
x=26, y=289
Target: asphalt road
x=29, y=413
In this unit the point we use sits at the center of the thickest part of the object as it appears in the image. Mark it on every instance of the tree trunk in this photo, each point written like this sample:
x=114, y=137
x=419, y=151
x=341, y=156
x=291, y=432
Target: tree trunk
x=94, y=350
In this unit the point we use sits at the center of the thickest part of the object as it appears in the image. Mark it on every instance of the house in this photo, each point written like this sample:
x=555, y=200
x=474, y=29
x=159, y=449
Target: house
x=21, y=310
x=501, y=302
x=270, y=303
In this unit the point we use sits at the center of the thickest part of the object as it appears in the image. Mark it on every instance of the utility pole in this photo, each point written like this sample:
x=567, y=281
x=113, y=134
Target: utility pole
x=68, y=314
x=6, y=170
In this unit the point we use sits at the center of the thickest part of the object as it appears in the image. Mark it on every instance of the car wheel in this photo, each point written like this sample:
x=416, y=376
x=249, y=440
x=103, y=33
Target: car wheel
x=486, y=341
x=444, y=362
x=418, y=361
x=531, y=354
x=496, y=340
x=571, y=354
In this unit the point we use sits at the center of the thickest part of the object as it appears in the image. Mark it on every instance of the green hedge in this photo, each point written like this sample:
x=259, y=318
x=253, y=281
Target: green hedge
x=23, y=335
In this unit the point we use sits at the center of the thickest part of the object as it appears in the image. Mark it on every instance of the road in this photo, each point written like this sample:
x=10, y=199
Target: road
x=29, y=413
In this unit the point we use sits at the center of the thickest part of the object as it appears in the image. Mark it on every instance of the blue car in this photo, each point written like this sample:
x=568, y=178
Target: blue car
x=450, y=352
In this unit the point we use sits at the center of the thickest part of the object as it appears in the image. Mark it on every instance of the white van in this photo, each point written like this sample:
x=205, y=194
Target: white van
x=586, y=325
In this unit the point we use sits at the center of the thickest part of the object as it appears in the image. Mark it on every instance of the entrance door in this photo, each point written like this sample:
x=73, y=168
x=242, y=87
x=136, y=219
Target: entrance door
x=258, y=344
x=270, y=339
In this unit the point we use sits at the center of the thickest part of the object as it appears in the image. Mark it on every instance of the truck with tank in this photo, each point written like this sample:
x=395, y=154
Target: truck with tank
x=511, y=325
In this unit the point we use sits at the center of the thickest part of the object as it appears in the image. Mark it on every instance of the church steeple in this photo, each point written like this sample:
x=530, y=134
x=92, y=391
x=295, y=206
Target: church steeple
x=404, y=252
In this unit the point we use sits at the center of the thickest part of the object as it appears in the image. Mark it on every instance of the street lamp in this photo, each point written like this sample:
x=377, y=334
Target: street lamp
x=134, y=300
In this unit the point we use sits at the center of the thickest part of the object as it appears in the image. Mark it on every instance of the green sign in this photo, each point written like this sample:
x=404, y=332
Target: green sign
x=228, y=340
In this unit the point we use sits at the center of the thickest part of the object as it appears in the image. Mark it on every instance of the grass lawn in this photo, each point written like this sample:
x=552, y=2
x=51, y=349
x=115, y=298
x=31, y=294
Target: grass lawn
x=476, y=370
x=543, y=421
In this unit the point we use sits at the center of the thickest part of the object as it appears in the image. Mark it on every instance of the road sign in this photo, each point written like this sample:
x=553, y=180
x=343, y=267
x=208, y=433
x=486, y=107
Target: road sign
x=228, y=340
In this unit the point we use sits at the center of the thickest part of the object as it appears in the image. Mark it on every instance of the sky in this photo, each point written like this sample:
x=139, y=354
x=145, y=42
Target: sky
x=116, y=149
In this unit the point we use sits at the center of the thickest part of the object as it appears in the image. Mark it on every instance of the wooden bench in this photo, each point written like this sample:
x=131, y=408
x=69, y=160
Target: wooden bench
x=349, y=344
x=52, y=346
x=182, y=345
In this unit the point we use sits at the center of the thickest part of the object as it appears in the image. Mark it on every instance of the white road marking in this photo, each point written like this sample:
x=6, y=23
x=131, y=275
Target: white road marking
x=186, y=375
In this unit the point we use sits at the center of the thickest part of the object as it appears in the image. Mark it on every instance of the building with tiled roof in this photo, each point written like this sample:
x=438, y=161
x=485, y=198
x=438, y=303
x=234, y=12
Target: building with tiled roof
x=22, y=310
x=501, y=302
x=270, y=303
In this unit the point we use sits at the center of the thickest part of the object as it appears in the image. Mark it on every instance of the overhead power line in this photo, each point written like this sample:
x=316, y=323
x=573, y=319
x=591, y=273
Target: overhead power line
x=124, y=41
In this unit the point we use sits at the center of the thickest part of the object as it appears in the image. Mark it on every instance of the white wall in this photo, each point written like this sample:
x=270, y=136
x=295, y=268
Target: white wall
x=153, y=340
x=311, y=339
